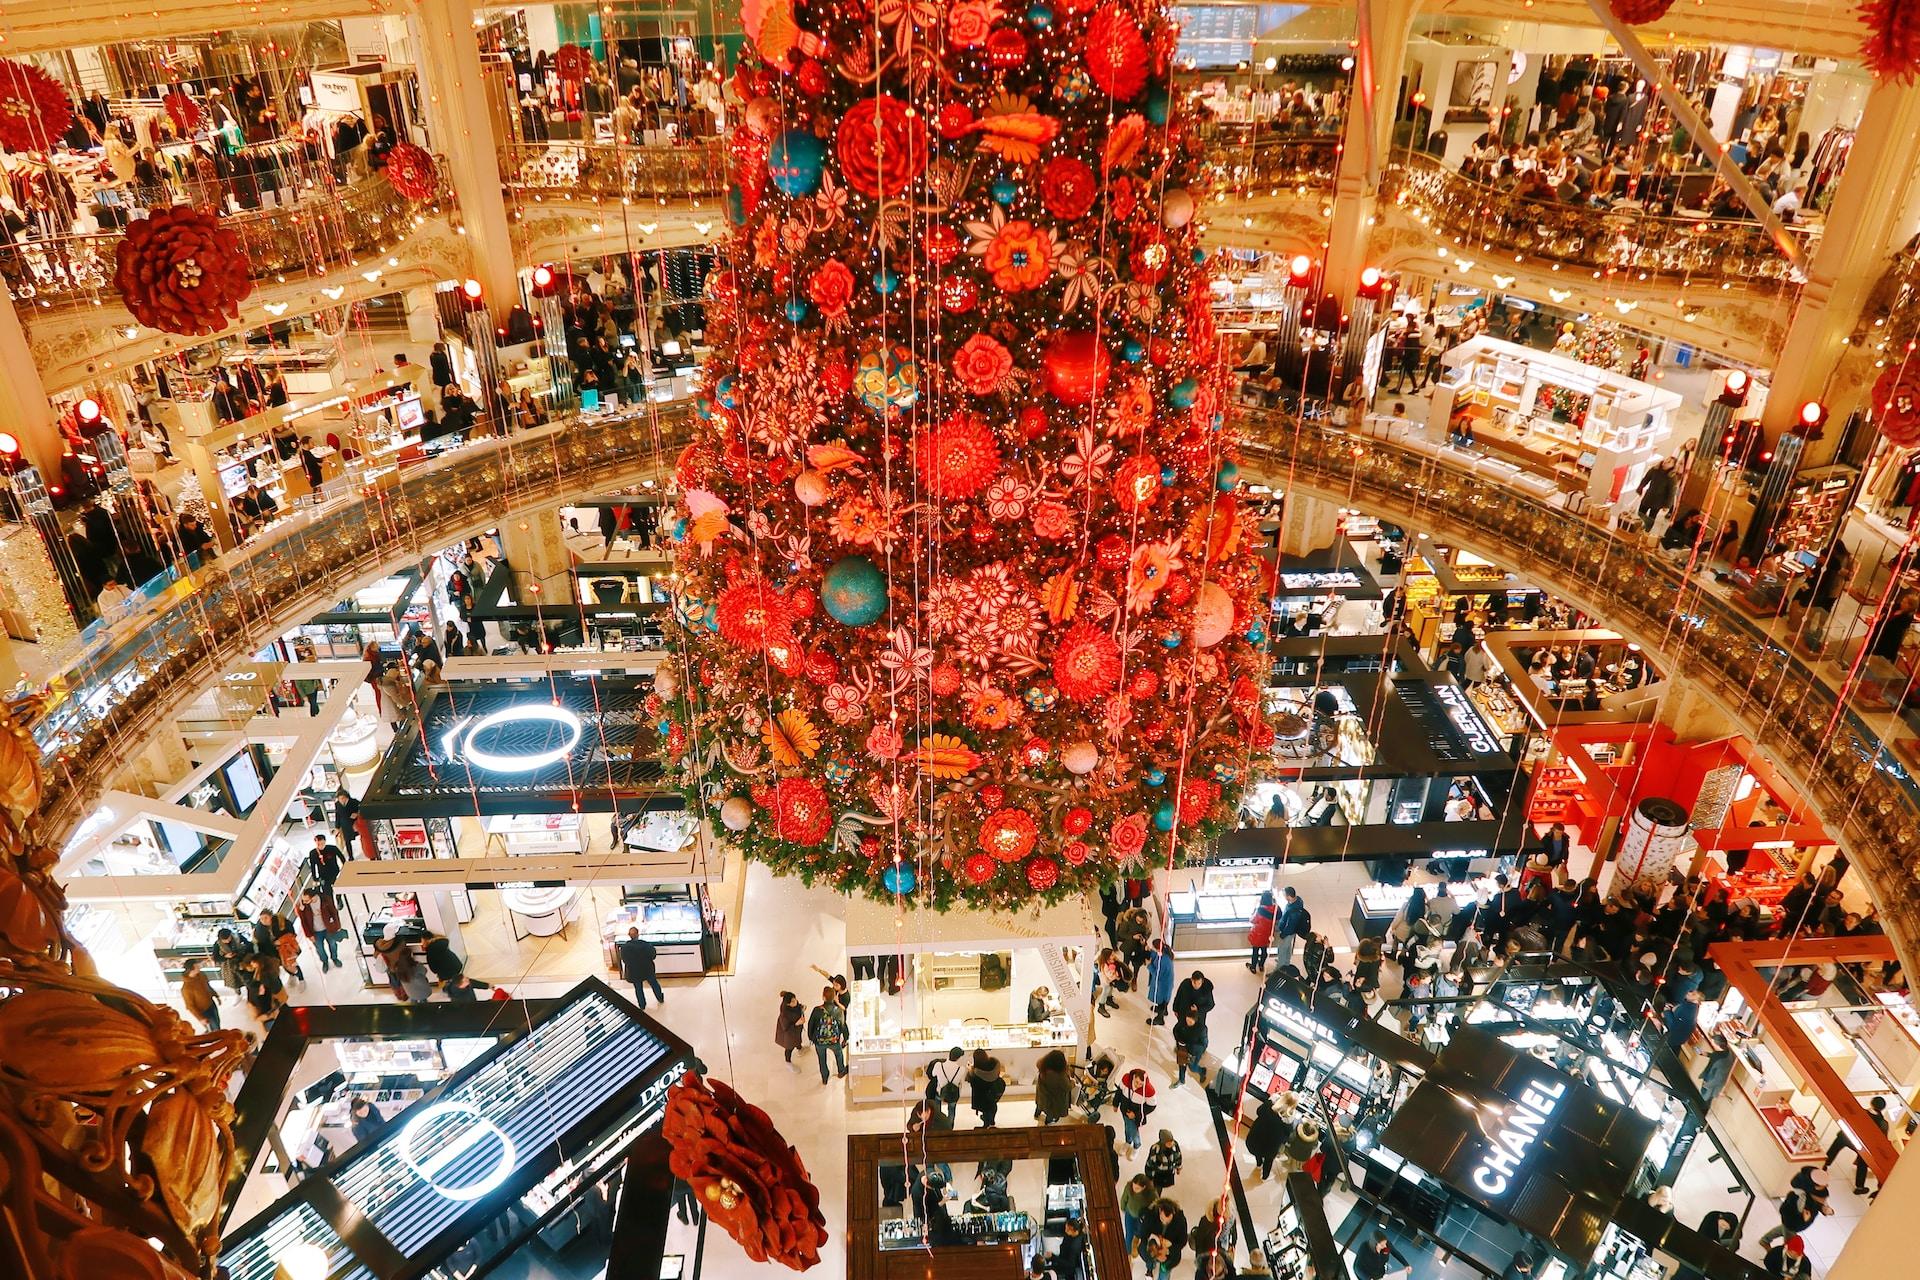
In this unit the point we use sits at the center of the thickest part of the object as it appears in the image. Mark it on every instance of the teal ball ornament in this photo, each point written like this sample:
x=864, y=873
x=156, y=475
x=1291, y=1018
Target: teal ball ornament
x=1156, y=776
x=885, y=281
x=736, y=207
x=1132, y=351
x=1163, y=818
x=1227, y=477
x=899, y=878
x=1156, y=105
x=1182, y=394
x=854, y=592
x=727, y=391
x=1004, y=190
x=1040, y=15
x=795, y=162
x=796, y=309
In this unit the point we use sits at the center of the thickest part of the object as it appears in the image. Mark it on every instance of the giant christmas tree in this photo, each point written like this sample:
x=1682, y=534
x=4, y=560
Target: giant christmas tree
x=966, y=609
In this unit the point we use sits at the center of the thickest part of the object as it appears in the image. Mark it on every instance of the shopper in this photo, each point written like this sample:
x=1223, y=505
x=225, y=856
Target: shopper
x=1842, y=1141
x=1260, y=931
x=943, y=1081
x=1303, y=1144
x=442, y=960
x=463, y=988
x=787, y=1026
x=1788, y=1260
x=264, y=990
x=1134, y=1100
x=364, y=1121
x=346, y=818
x=1803, y=1204
x=1683, y=1016
x=638, y=965
x=324, y=862
x=986, y=1085
x=1266, y=1136
x=1169, y=1222
x=1070, y=1256
x=230, y=952
x=1163, y=1160
x=1052, y=1088
x=276, y=931
x=1136, y=1198
x=197, y=994
x=1190, y=1047
x=1159, y=971
x=827, y=1028
x=1376, y=1259
x=320, y=921
x=1115, y=976
x=1294, y=922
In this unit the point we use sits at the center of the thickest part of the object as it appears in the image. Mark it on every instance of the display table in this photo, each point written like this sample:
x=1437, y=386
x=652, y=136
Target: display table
x=1376, y=905
x=541, y=912
x=677, y=931
x=538, y=833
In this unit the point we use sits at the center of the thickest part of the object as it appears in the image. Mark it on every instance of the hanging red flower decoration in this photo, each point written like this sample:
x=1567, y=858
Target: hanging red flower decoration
x=957, y=457
x=181, y=270
x=1087, y=663
x=1068, y=187
x=1116, y=53
x=751, y=611
x=1009, y=834
x=1043, y=873
x=882, y=146
x=1078, y=821
x=1076, y=852
x=411, y=170
x=982, y=364
x=1896, y=405
x=572, y=62
x=34, y=108
x=1892, y=47
x=980, y=868
x=1639, y=12
x=182, y=110
x=801, y=813
x=748, y=1178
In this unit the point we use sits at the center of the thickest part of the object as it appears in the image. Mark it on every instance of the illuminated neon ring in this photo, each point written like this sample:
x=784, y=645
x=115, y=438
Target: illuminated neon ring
x=463, y=740
x=430, y=1168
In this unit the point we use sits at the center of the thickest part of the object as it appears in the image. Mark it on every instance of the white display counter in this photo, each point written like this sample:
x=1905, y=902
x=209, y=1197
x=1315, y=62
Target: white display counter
x=540, y=912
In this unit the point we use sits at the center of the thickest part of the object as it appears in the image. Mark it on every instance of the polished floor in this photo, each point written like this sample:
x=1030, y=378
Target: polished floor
x=729, y=1020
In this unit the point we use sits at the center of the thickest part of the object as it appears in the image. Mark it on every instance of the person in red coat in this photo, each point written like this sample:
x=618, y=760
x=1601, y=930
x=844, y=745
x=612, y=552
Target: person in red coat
x=1260, y=931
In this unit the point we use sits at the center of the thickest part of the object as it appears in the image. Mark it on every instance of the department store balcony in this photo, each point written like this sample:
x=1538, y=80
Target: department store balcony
x=116, y=687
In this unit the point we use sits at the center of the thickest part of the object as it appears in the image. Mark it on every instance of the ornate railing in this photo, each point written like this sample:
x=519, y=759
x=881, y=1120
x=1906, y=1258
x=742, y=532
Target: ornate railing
x=120, y=685
x=1576, y=235
x=695, y=169
x=1866, y=794
x=110, y=696
x=301, y=241
x=1256, y=166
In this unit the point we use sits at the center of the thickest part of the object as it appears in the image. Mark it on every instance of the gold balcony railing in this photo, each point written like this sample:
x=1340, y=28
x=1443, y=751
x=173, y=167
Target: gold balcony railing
x=320, y=233
x=1243, y=160
x=1631, y=244
x=694, y=170
x=115, y=691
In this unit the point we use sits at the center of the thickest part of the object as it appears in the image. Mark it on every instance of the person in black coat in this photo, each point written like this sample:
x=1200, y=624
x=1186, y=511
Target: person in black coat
x=1266, y=1136
x=637, y=960
x=346, y=815
x=440, y=366
x=1195, y=995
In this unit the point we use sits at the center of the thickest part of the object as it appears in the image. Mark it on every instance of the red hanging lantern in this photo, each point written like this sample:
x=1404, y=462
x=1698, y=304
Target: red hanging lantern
x=182, y=270
x=1639, y=12
x=182, y=110
x=1892, y=47
x=411, y=170
x=34, y=109
x=572, y=62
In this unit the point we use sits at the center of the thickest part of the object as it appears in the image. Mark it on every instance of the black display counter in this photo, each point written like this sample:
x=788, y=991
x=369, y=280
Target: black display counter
x=522, y=1148
x=1336, y=570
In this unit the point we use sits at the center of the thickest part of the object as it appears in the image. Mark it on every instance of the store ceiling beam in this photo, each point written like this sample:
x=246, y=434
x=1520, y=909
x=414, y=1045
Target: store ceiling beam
x=49, y=28
x=1740, y=962
x=1701, y=133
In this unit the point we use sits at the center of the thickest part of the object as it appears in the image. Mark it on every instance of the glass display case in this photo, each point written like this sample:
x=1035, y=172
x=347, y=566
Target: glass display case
x=681, y=923
x=537, y=833
x=540, y=911
x=1376, y=905
x=1212, y=918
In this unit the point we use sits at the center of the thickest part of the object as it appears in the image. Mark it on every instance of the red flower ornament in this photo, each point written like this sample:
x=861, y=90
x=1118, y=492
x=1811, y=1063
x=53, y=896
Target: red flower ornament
x=982, y=364
x=34, y=109
x=1639, y=12
x=1116, y=54
x=881, y=145
x=572, y=62
x=801, y=812
x=411, y=170
x=746, y=1176
x=958, y=457
x=182, y=271
x=1087, y=663
x=1068, y=187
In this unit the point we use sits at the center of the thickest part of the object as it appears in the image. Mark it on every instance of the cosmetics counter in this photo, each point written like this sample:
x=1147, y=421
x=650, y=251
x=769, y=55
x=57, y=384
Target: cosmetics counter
x=1211, y=919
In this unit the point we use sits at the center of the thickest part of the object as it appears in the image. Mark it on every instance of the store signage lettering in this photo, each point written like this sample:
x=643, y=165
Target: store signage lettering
x=433, y=1165
x=1465, y=719
x=1299, y=1023
x=653, y=1099
x=1521, y=1127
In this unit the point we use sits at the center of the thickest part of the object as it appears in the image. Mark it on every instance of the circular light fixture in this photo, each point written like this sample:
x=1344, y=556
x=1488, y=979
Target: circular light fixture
x=542, y=277
x=1300, y=267
x=9, y=443
x=89, y=410
x=472, y=289
x=1813, y=413
x=1737, y=380
x=465, y=741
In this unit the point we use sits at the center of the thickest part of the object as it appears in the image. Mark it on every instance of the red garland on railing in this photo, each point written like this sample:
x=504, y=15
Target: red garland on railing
x=746, y=1176
x=34, y=110
x=411, y=170
x=1639, y=12
x=180, y=270
x=1892, y=47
